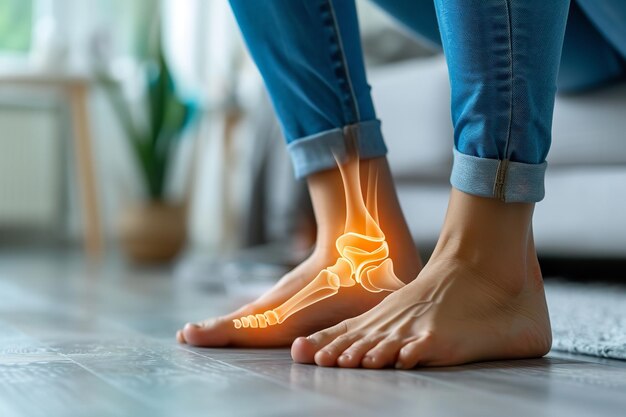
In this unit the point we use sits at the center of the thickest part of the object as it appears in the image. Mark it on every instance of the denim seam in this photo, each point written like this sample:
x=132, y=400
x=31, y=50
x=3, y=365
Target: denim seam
x=507, y=4
x=500, y=180
x=499, y=186
x=344, y=62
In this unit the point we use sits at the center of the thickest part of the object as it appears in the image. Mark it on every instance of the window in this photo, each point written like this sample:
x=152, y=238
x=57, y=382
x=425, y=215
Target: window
x=16, y=25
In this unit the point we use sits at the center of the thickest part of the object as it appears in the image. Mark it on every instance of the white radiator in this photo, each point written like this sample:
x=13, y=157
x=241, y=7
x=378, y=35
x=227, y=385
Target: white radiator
x=31, y=171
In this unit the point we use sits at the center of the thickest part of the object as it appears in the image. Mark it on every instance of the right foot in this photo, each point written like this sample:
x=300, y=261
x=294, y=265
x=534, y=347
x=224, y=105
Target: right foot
x=327, y=195
x=480, y=297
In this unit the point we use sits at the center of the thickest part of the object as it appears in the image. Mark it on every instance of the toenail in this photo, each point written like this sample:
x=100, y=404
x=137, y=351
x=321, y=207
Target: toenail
x=345, y=357
x=399, y=365
x=193, y=325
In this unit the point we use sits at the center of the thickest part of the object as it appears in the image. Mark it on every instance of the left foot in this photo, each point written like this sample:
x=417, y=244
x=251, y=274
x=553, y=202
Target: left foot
x=328, y=197
x=480, y=297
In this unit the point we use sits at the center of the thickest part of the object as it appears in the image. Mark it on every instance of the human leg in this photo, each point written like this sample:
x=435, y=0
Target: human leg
x=310, y=58
x=503, y=61
x=481, y=295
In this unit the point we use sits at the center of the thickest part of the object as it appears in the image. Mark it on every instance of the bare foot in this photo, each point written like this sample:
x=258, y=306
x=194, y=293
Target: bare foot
x=328, y=198
x=480, y=297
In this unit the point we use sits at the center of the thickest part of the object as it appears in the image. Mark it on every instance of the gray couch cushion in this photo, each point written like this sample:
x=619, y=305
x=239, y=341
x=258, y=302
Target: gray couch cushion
x=590, y=128
x=412, y=100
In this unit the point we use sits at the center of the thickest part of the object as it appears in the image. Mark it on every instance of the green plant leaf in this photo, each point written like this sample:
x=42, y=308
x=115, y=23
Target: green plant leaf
x=168, y=116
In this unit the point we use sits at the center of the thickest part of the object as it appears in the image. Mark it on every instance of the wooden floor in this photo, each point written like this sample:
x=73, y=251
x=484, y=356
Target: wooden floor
x=79, y=340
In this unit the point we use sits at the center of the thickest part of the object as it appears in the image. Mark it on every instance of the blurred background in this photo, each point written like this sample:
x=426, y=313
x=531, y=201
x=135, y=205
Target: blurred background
x=140, y=130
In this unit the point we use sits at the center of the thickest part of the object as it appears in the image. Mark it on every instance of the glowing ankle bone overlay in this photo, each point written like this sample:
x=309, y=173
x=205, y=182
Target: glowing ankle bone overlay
x=364, y=253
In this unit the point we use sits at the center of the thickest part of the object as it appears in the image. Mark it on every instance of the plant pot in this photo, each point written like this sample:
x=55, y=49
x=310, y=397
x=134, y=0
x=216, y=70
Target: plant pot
x=153, y=232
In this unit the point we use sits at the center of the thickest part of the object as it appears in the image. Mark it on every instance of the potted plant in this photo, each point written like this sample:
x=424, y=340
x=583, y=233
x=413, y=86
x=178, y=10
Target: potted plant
x=153, y=229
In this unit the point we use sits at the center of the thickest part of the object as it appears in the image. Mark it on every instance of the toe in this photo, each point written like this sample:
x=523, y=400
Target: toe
x=414, y=353
x=180, y=337
x=324, y=337
x=383, y=354
x=351, y=357
x=215, y=333
x=303, y=350
x=327, y=356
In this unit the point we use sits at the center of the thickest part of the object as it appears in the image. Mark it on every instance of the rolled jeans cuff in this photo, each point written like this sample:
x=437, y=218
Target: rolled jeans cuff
x=502, y=179
x=317, y=152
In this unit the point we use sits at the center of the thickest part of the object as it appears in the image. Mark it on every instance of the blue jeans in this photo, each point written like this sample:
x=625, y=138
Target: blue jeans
x=503, y=60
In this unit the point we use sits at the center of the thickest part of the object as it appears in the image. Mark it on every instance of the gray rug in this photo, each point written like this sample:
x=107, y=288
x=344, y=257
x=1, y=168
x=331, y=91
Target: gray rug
x=588, y=319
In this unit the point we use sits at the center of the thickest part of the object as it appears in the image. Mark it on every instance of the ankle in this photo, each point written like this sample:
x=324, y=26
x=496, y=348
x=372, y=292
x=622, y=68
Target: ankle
x=490, y=236
x=329, y=196
x=488, y=221
x=329, y=203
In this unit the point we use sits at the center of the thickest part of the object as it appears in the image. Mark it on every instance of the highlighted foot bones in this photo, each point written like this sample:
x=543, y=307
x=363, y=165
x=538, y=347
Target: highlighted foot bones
x=364, y=254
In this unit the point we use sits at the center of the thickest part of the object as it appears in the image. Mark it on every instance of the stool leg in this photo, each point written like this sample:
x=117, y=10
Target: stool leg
x=85, y=170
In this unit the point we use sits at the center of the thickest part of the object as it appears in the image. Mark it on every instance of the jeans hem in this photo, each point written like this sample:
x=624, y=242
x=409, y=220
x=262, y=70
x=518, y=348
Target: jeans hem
x=509, y=181
x=317, y=152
